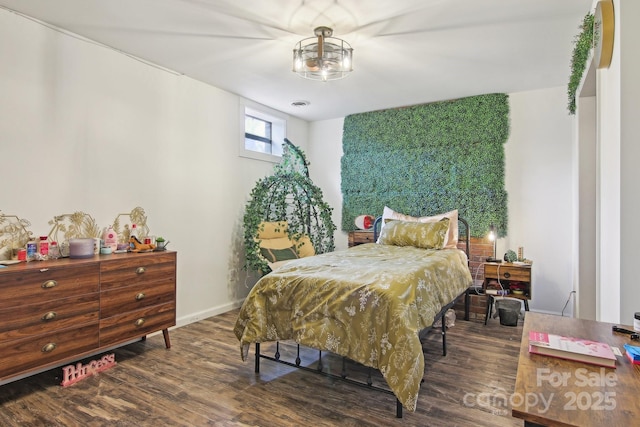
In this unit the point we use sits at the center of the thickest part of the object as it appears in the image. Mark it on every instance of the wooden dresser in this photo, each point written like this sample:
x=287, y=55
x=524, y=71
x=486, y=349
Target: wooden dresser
x=55, y=312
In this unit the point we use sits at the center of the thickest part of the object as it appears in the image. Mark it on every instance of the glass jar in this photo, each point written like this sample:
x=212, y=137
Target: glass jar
x=54, y=250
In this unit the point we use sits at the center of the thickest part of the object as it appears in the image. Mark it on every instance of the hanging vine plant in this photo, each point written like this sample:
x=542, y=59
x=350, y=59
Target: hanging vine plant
x=583, y=44
x=288, y=194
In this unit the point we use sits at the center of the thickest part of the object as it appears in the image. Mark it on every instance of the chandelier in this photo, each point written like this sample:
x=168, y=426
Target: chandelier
x=322, y=57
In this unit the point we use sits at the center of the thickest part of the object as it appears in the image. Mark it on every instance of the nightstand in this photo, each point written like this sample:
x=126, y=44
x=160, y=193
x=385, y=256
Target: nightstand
x=508, y=279
x=358, y=237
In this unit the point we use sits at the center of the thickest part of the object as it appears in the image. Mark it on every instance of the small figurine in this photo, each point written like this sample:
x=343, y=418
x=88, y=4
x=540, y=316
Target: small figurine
x=138, y=246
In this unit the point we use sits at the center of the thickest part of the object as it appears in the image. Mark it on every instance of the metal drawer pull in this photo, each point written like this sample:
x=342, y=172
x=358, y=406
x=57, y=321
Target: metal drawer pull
x=140, y=270
x=49, y=316
x=49, y=284
x=140, y=322
x=49, y=347
x=140, y=296
x=507, y=274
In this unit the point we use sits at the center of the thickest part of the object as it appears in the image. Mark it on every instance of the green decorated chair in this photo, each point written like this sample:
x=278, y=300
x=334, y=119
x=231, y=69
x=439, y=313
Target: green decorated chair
x=286, y=216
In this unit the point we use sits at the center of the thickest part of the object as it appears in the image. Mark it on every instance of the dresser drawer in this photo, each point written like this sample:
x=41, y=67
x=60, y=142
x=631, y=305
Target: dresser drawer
x=22, y=355
x=47, y=284
x=130, y=298
x=137, y=268
x=137, y=323
x=507, y=272
x=42, y=318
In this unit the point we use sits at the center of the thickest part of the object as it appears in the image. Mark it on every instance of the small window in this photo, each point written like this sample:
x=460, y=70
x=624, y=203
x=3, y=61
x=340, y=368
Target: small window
x=257, y=135
x=263, y=133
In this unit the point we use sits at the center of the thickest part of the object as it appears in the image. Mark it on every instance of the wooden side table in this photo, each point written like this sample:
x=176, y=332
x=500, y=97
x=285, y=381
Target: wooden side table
x=358, y=237
x=515, y=279
x=571, y=393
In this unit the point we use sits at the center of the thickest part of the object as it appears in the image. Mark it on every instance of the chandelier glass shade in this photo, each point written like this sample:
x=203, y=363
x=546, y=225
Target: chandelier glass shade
x=322, y=57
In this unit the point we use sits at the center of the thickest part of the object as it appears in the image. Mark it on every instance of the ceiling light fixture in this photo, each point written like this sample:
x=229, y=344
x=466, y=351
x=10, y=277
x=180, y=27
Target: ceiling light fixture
x=322, y=57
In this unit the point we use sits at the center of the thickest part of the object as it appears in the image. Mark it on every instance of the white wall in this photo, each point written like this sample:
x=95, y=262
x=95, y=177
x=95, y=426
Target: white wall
x=629, y=39
x=85, y=128
x=585, y=204
x=608, y=185
x=618, y=106
x=539, y=186
x=325, y=152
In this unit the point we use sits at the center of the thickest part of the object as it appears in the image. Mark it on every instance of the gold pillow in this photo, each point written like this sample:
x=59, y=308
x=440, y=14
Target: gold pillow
x=304, y=245
x=426, y=235
x=272, y=230
x=301, y=242
x=451, y=240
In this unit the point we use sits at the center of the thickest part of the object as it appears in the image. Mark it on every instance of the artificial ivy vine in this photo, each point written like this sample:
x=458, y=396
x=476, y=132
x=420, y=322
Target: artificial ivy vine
x=429, y=159
x=583, y=43
x=288, y=194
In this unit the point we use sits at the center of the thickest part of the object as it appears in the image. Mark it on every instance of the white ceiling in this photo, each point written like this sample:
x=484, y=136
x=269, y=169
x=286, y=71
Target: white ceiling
x=406, y=52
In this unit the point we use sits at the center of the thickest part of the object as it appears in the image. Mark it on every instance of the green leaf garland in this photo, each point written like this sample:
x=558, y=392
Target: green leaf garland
x=583, y=43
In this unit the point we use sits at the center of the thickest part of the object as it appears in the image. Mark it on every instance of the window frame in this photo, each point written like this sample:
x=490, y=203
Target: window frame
x=278, y=122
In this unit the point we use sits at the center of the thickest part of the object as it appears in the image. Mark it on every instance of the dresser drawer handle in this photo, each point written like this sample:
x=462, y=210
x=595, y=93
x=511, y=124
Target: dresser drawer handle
x=140, y=270
x=49, y=284
x=49, y=347
x=49, y=316
x=140, y=296
x=140, y=322
x=507, y=274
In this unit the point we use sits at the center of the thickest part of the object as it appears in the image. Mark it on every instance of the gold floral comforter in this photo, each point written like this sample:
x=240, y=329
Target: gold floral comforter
x=367, y=303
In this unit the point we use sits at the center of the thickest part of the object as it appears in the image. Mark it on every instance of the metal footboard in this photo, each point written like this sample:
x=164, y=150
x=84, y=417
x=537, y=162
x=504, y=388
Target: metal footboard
x=319, y=368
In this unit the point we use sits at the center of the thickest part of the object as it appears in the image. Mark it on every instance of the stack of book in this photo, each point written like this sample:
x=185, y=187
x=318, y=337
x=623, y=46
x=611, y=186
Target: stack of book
x=581, y=350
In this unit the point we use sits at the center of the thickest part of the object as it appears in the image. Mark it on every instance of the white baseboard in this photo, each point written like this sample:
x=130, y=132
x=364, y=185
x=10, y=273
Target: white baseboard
x=200, y=315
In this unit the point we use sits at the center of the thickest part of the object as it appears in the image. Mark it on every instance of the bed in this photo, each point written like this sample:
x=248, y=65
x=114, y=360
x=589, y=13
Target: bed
x=367, y=303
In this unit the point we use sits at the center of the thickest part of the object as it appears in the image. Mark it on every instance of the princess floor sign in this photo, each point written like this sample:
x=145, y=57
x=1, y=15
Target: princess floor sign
x=72, y=374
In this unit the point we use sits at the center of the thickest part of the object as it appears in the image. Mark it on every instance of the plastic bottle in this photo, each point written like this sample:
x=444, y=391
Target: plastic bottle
x=43, y=247
x=54, y=250
x=134, y=233
x=32, y=250
x=110, y=238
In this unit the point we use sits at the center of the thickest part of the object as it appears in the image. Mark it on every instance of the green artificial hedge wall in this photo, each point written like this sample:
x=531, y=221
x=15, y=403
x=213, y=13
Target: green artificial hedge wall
x=427, y=159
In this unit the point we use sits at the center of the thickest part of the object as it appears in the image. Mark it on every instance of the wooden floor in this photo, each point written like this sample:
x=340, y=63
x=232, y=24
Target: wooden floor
x=201, y=381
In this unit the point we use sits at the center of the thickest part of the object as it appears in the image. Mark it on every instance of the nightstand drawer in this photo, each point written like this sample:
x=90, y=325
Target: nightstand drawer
x=507, y=272
x=359, y=237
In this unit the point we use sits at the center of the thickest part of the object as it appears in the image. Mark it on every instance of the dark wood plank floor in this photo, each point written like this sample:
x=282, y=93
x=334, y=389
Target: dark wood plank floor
x=201, y=381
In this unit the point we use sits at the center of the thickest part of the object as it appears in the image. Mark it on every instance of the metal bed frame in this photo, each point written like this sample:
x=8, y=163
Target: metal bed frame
x=319, y=369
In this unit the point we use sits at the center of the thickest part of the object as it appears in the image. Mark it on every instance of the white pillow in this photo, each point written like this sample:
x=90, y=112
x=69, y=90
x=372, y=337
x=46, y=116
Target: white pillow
x=451, y=240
